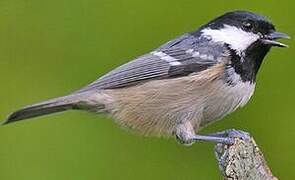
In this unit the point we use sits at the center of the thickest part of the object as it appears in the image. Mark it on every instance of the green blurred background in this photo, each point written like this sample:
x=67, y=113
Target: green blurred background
x=50, y=48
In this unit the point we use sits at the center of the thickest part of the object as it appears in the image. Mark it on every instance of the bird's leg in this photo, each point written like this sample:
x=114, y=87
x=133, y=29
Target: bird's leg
x=223, y=140
x=185, y=134
x=233, y=133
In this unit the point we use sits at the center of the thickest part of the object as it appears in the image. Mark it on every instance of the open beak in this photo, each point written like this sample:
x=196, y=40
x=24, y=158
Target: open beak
x=271, y=38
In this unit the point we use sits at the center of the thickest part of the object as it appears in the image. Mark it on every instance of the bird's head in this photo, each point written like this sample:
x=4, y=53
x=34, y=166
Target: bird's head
x=247, y=36
x=243, y=31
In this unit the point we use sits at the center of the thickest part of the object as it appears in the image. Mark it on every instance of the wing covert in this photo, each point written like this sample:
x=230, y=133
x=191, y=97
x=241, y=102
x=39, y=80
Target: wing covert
x=159, y=64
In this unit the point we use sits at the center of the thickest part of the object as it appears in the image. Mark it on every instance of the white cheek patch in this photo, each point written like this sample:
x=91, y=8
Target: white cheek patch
x=236, y=38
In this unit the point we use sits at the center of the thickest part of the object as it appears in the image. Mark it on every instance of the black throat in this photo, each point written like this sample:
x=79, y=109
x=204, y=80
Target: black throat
x=248, y=65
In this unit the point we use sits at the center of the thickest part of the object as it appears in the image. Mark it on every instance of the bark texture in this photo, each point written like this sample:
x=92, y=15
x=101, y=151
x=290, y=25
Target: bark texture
x=242, y=161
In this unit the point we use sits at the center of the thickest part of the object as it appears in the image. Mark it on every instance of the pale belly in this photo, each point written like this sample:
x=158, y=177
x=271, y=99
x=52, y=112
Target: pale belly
x=226, y=100
x=157, y=107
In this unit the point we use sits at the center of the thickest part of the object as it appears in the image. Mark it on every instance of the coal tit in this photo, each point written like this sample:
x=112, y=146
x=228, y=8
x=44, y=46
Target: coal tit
x=182, y=86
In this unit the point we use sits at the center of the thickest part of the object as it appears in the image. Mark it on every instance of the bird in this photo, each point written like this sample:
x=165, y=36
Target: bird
x=182, y=86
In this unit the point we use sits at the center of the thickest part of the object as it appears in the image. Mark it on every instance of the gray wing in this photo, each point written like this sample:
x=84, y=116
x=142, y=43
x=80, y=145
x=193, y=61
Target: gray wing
x=163, y=63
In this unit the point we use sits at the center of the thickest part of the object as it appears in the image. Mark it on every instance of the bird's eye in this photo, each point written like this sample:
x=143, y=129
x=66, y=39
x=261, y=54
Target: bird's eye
x=248, y=26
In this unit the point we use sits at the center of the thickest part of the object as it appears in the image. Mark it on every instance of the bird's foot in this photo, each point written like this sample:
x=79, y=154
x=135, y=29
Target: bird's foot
x=224, y=137
x=232, y=133
x=221, y=155
x=185, y=135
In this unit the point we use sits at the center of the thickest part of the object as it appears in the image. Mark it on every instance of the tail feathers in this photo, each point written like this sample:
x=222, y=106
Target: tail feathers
x=51, y=106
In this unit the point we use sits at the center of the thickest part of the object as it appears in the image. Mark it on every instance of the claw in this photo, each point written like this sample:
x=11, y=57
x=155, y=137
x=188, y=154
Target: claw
x=218, y=150
x=233, y=133
x=221, y=156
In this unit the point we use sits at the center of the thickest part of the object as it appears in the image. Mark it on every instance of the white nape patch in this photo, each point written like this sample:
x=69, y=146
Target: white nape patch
x=171, y=60
x=236, y=38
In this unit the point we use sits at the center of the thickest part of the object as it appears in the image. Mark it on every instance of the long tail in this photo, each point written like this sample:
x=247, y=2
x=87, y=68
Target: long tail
x=47, y=107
